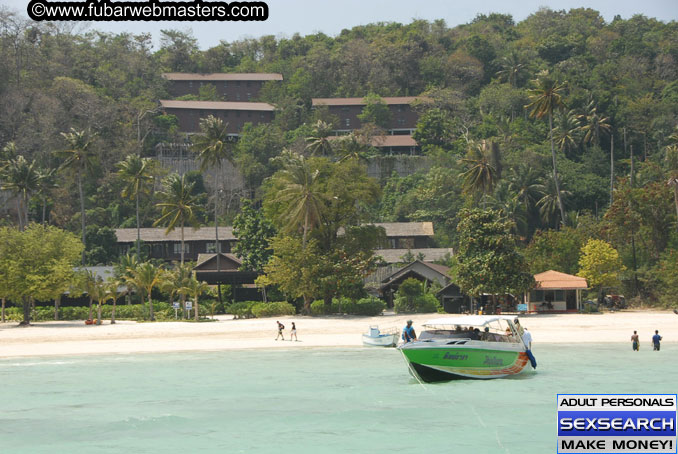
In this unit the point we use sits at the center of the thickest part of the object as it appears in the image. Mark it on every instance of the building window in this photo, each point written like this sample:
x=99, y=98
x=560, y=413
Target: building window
x=190, y=84
x=237, y=96
x=177, y=248
x=211, y=248
x=347, y=121
x=225, y=84
x=401, y=121
x=249, y=96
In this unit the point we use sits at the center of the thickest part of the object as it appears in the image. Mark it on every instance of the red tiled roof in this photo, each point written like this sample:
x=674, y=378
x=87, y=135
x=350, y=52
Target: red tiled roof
x=217, y=105
x=222, y=76
x=555, y=280
x=395, y=100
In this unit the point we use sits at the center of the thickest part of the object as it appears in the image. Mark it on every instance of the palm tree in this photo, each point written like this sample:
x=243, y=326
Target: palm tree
x=144, y=278
x=481, y=173
x=174, y=282
x=123, y=272
x=546, y=98
x=567, y=131
x=594, y=124
x=79, y=156
x=526, y=182
x=551, y=200
x=22, y=178
x=352, y=146
x=115, y=288
x=213, y=146
x=46, y=182
x=319, y=143
x=100, y=294
x=177, y=206
x=300, y=195
x=195, y=288
x=137, y=173
x=87, y=284
x=512, y=66
x=508, y=203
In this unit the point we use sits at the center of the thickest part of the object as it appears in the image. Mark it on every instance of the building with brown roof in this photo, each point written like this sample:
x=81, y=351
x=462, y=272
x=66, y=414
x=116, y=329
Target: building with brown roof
x=229, y=86
x=556, y=292
x=403, y=117
x=233, y=114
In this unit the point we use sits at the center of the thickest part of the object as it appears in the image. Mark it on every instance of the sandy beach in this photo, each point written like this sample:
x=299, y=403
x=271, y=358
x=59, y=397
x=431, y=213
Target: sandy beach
x=125, y=337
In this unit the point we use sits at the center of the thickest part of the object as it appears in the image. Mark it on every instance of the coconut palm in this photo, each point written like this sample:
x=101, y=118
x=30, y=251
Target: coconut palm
x=22, y=178
x=87, y=284
x=195, y=288
x=123, y=272
x=352, y=146
x=213, y=146
x=137, y=174
x=100, y=294
x=512, y=66
x=79, y=156
x=178, y=205
x=594, y=124
x=115, y=289
x=46, y=182
x=525, y=181
x=319, y=143
x=144, y=278
x=300, y=195
x=481, y=174
x=174, y=282
x=567, y=131
x=547, y=97
x=510, y=206
x=551, y=200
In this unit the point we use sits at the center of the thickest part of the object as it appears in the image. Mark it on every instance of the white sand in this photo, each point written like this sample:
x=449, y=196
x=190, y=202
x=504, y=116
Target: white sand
x=76, y=338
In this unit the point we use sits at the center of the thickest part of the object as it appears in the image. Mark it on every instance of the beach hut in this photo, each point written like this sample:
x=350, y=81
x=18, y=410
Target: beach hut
x=556, y=292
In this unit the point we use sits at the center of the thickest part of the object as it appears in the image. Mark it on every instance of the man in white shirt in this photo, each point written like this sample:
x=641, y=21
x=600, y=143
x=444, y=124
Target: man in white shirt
x=527, y=338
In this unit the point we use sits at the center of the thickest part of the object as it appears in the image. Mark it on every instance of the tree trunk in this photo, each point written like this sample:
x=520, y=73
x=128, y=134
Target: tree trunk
x=327, y=300
x=307, y=305
x=113, y=312
x=44, y=209
x=611, y=168
x=26, y=209
x=150, y=306
x=675, y=199
x=4, y=301
x=632, y=170
x=89, y=316
x=82, y=223
x=216, y=218
x=57, y=303
x=555, y=171
x=18, y=213
x=27, y=311
x=182, y=243
x=303, y=242
x=197, y=311
x=99, y=313
x=138, y=228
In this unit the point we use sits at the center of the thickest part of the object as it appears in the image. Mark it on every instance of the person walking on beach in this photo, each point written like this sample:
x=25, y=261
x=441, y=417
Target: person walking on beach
x=281, y=327
x=655, y=340
x=635, y=342
x=293, y=332
x=408, y=333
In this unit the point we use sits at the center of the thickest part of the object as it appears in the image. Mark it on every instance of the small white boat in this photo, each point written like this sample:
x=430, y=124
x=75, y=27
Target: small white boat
x=377, y=338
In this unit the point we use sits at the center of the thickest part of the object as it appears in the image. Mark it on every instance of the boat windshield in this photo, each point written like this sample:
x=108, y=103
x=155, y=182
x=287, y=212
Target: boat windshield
x=496, y=330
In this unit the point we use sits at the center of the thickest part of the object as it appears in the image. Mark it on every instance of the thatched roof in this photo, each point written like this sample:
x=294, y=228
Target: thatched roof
x=154, y=235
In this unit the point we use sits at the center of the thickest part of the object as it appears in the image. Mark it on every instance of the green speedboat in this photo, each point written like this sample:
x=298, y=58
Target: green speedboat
x=472, y=346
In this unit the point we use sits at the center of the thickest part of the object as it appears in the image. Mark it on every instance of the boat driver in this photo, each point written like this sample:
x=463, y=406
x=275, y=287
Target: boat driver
x=408, y=333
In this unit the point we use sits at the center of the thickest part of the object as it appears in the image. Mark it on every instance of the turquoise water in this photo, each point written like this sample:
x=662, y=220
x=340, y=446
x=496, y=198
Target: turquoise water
x=302, y=401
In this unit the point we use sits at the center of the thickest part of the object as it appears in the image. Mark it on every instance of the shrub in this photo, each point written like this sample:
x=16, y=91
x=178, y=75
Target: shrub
x=273, y=309
x=369, y=306
x=318, y=308
x=412, y=297
x=242, y=309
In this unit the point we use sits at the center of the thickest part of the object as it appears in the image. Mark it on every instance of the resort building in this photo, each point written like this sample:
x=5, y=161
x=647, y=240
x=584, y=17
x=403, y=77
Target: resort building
x=403, y=117
x=236, y=87
x=234, y=114
x=556, y=292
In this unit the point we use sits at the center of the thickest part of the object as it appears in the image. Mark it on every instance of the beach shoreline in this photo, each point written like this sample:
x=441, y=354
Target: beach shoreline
x=68, y=338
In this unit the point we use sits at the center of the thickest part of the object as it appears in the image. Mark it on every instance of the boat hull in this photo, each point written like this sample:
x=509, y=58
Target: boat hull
x=382, y=340
x=443, y=363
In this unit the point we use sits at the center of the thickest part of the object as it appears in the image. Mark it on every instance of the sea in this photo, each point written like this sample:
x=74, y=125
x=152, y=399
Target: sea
x=303, y=400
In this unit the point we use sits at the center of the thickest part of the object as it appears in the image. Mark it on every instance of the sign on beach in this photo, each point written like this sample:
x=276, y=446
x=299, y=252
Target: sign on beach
x=611, y=423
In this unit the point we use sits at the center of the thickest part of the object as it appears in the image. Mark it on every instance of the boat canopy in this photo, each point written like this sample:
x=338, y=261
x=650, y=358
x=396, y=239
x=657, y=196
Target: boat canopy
x=468, y=320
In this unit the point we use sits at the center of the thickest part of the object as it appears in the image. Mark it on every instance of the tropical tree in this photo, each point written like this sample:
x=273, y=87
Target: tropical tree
x=594, y=124
x=352, y=146
x=79, y=156
x=21, y=178
x=481, y=174
x=195, y=288
x=547, y=97
x=137, y=174
x=87, y=285
x=300, y=196
x=100, y=294
x=319, y=143
x=115, y=289
x=512, y=66
x=551, y=199
x=46, y=183
x=178, y=204
x=144, y=278
x=567, y=131
x=213, y=146
x=600, y=265
x=254, y=232
x=525, y=181
x=123, y=272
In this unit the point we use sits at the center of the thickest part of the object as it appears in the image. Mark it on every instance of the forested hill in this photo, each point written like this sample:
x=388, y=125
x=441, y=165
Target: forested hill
x=616, y=82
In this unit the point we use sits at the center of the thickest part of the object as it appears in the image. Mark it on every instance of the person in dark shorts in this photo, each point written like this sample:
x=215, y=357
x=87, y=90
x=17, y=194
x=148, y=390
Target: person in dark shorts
x=635, y=342
x=656, y=339
x=281, y=327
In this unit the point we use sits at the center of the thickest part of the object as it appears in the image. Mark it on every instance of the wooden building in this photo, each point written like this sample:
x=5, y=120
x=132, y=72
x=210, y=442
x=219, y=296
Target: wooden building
x=422, y=271
x=403, y=117
x=238, y=87
x=233, y=114
x=556, y=292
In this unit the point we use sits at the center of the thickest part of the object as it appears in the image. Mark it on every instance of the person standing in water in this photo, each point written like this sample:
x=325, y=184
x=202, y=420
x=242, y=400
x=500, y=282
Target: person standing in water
x=408, y=333
x=655, y=340
x=293, y=332
x=635, y=342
